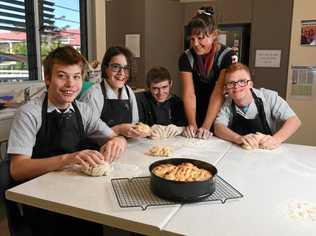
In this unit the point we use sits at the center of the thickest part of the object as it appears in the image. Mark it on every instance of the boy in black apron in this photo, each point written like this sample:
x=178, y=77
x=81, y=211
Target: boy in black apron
x=49, y=133
x=158, y=105
x=248, y=111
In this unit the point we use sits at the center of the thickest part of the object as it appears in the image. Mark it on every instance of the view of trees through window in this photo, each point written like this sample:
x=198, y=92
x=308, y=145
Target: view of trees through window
x=58, y=24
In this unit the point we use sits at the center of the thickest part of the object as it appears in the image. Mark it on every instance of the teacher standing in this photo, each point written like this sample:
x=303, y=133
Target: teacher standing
x=201, y=72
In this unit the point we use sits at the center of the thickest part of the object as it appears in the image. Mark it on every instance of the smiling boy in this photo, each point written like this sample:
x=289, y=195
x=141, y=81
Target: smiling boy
x=158, y=105
x=248, y=110
x=50, y=132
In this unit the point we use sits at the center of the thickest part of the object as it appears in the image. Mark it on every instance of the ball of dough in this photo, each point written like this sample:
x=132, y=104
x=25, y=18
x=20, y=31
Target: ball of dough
x=98, y=170
x=160, y=151
x=246, y=146
x=141, y=127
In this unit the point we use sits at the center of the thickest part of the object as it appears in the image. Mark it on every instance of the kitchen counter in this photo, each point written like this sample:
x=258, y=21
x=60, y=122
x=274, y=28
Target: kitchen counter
x=7, y=113
x=6, y=117
x=271, y=181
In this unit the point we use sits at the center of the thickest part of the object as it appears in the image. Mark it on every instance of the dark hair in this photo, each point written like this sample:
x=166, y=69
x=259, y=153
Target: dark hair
x=65, y=55
x=157, y=75
x=202, y=22
x=114, y=51
x=235, y=67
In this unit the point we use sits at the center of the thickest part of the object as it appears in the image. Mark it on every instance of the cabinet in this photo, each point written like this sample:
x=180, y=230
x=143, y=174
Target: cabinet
x=6, y=117
x=234, y=12
x=5, y=125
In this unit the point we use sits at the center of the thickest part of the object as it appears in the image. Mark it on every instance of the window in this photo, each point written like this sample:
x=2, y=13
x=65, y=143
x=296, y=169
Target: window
x=13, y=43
x=26, y=36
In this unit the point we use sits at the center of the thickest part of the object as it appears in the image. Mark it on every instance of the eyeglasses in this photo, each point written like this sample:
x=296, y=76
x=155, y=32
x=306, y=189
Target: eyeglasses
x=241, y=83
x=117, y=67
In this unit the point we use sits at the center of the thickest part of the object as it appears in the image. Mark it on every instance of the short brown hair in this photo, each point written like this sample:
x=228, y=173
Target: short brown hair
x=65, y=55
x=156, y=75
x=235, y=67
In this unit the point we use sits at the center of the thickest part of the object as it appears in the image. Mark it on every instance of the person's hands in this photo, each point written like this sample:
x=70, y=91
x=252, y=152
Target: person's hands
x=85, y=158
x=190, y=131
x=203, y=133
x=250, y=140
x=113, y=148
x=130, y=131
x=269, y=142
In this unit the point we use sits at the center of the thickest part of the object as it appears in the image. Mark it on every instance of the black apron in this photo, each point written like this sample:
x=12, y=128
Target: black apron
x=60, y=133
x=116, y=111
x=244, y=126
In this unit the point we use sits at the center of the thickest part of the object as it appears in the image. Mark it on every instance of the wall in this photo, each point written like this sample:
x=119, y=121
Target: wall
x=271, y=29
x=97, y=33
x=302, y=55
x=127, y=17
x=164, y=36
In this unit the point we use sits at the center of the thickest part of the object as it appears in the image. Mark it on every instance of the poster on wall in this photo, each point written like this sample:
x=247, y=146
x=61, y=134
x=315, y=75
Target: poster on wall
x=268, y=58
x=308, y=32
x=303, y=79
x=132, y=42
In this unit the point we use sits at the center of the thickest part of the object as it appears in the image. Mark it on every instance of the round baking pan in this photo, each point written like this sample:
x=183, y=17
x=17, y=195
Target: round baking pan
x=180, y=191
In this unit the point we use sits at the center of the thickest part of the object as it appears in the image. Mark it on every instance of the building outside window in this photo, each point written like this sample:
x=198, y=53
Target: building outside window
x=31, y=26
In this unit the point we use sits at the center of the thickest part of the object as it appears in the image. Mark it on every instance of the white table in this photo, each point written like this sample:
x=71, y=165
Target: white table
x=89, y=198
x=271, y=182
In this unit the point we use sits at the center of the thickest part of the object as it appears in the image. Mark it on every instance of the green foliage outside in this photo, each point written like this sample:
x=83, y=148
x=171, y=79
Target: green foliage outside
x=20, y=48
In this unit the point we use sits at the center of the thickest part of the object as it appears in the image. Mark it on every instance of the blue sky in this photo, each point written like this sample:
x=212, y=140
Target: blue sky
x=66, y=12
x=67, y=16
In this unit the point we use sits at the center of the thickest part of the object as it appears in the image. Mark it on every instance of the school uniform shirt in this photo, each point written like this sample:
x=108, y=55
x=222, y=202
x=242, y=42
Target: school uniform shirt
x=276, y=109
x=28, y=121
x=203, y=88
x=169, y=112
x=94, y=97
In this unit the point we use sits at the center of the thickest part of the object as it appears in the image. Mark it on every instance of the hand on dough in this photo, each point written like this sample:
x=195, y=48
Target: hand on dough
x=203, y=133
x=249, y=141
x=161, y=131
x=190, y=131
x=269, y=142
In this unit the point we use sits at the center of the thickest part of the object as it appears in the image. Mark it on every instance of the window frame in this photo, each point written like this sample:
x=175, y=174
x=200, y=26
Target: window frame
x=32, y=30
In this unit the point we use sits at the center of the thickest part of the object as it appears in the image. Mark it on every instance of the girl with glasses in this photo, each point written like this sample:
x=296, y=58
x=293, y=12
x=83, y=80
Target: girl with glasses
x=248, y=111
x=200, y=67
x=113, y=98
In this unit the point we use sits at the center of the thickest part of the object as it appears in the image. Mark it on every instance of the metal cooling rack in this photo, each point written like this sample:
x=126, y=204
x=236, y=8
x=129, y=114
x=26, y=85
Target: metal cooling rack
x=135, y=192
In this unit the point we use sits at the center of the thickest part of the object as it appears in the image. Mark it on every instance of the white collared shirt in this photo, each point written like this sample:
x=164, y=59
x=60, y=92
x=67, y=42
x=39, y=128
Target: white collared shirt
x=51, y=107
x=94, y=98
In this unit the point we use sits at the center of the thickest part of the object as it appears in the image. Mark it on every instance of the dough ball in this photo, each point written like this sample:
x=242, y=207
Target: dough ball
x=160, y=151
x=141, y=127
x=99, y=170
x=246, y=146
x=161, y=131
